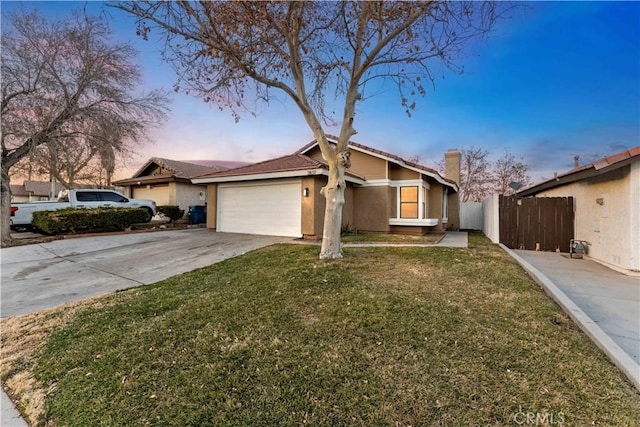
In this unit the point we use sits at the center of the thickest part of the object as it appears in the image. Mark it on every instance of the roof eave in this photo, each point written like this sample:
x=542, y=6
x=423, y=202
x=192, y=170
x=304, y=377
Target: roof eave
x=298, y=173
x=571, y=177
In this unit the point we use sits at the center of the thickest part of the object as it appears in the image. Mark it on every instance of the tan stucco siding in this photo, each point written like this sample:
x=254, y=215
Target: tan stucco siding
x=212, y=205
x=397, y=173
x=453, y=222
x=313, y=207
x=604, y=213
x=372, y=208
x=189, y=194
x=434, y=206
x=310, y=212
x=347, y=210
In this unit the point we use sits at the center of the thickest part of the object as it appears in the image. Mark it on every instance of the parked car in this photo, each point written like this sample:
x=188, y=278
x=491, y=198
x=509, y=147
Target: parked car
x=22, y=213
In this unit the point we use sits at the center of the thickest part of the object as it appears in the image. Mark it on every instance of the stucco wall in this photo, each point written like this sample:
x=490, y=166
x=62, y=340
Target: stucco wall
x=435, y=204
x=188, y=194
x=314, y=205
x=311, y=213
x=372, y=208
x=212, y=205
x=453, y=201
x=606, y=215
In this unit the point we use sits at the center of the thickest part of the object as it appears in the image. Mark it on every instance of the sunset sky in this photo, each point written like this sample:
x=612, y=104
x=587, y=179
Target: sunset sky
x=558, y=79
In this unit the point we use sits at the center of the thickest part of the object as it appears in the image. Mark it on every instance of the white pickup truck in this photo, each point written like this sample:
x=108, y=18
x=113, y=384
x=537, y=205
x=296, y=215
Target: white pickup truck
x=22, y=213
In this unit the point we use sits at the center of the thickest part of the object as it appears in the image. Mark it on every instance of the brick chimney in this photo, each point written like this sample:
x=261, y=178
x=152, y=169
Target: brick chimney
x=452, y=165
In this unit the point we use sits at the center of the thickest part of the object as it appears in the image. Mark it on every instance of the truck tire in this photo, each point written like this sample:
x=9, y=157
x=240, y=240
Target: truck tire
x=149, y=215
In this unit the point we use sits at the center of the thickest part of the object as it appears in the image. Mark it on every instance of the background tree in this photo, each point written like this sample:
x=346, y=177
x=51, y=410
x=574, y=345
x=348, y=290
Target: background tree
x=508, y=170
x=237, y=54
x=475, y=174
x=87, y=157
x=67, y=84
x=481, y=177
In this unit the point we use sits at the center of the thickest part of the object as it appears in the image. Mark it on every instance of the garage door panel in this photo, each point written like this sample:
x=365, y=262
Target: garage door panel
x=160, y=194
x=270, y=209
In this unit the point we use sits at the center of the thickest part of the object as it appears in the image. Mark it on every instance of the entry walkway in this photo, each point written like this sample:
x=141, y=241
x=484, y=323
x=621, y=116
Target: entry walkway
x=604, y=302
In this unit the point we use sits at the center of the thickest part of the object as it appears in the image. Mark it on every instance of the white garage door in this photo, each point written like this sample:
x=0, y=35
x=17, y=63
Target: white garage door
x=271, y=209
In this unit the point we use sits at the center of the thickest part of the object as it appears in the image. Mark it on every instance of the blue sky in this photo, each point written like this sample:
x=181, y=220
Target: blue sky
x=558, y=79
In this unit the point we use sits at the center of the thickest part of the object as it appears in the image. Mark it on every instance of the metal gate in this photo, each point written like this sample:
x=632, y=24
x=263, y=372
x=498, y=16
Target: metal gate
x=536, y=223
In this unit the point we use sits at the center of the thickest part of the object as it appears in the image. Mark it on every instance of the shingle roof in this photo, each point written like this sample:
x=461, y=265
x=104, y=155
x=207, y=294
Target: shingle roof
x=225, y=164
x=590, y=170
x=35, y=188
x=174, y=169
x=18, y=190
x=41, y=188
x=184, y=169
x=281, y=164
x=299, y=161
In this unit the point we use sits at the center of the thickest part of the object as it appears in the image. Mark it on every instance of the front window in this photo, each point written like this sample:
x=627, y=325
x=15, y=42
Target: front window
x=408, y=202
x=412, y=204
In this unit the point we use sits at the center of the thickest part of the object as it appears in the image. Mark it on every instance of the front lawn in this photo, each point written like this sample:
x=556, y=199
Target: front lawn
x=387, y=336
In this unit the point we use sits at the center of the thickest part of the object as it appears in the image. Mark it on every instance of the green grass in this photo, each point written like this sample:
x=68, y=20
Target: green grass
x=389, y=238
x=386, y=336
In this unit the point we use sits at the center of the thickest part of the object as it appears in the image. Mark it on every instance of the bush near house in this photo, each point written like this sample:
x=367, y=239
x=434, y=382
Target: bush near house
x=172, y=212
x=74, y=220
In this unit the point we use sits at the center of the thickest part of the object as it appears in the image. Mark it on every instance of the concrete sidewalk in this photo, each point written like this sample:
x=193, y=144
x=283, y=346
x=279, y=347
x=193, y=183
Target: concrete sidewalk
x=603, y=302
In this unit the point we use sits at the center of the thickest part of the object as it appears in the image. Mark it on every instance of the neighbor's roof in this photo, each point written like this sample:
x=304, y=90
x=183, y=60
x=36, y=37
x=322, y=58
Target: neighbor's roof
x=173, y=169
x=599, y=167
x=281, y=167
x=388, y=156
x=35, y=188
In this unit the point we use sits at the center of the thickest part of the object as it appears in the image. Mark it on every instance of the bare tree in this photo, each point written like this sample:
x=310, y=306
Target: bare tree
x=475, y=174
x=509, y=174
x=480, y=177
x=67, y=82
x=87, y=157
x=237, y=54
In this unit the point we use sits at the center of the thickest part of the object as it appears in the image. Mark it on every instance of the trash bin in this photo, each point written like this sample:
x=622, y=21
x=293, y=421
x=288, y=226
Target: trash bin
x=197, y=214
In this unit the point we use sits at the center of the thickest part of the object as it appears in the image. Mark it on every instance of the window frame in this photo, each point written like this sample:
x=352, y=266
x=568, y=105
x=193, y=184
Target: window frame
x=422, y=202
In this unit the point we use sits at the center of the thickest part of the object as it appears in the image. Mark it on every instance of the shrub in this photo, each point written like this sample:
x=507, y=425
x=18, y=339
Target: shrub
x=74, y=220
x=172, y=212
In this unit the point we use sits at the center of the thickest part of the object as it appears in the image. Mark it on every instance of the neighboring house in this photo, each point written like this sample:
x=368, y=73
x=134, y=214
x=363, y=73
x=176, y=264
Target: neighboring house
x=384, y=193
x=34, y=191
x=607, y=207
x=168, y=182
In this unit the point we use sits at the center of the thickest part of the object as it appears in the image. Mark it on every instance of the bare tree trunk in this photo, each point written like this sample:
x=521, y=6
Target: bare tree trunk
x=334, y=194
x=5, y=204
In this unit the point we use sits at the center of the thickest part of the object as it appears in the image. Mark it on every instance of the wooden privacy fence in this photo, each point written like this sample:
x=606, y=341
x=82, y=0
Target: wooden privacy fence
x=536, y=223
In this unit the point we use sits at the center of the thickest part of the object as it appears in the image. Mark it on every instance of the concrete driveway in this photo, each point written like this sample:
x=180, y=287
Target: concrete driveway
x=39, y=276
x=604, y=302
